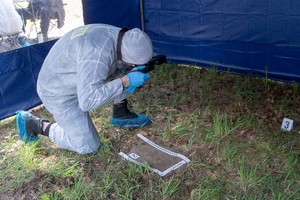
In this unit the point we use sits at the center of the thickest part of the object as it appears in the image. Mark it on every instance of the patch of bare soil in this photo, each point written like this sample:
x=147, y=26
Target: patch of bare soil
x=41, y=184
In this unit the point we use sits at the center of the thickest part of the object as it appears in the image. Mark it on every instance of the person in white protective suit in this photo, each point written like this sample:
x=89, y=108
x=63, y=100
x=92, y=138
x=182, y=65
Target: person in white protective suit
x=11, y=22
x=81, y=73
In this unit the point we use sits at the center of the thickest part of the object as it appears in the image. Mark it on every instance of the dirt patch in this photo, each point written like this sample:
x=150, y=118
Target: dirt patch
x=41, y=184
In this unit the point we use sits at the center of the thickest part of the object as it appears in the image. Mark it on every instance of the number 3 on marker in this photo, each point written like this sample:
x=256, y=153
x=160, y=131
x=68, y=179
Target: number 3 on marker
x=287, y=124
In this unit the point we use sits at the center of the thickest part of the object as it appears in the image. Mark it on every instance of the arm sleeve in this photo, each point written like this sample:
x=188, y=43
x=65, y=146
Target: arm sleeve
x=93, y=70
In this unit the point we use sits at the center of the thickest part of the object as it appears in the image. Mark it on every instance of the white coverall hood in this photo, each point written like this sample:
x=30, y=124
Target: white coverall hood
x=136, y=47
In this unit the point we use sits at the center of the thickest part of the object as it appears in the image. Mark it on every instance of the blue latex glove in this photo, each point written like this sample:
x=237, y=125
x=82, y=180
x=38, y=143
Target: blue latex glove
x=136, y=79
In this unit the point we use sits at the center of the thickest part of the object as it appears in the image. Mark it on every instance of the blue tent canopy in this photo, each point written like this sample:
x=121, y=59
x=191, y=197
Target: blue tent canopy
x=242, y=36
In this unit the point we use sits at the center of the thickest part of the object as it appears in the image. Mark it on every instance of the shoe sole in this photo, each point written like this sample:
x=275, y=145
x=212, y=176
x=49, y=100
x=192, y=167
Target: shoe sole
x=133, y=125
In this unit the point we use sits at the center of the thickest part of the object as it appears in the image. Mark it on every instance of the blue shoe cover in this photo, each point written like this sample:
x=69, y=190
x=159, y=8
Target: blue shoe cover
x=139, y=121
x=26, y=44
x=21, y=124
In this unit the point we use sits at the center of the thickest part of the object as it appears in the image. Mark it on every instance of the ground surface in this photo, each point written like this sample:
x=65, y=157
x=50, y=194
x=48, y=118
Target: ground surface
x=228, y=125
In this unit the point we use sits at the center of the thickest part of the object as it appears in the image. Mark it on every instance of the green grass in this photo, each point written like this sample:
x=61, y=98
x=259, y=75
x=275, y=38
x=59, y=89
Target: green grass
x=170, y=188
x=250, y=176
x=228, y=125
x=209, y=188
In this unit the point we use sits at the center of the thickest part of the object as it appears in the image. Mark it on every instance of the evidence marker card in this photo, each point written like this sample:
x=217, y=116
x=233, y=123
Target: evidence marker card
x=160, y=160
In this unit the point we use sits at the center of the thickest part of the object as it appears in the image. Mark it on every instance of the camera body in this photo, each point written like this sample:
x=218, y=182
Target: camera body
x=155, y=60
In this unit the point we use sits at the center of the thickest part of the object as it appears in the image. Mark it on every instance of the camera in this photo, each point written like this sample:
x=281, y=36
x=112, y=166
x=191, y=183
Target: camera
x=155, y=60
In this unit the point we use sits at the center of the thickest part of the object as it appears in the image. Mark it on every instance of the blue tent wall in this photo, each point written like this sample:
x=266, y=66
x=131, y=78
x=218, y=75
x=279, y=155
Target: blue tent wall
x=244, y=36
x=18, y=74
x=121, y=13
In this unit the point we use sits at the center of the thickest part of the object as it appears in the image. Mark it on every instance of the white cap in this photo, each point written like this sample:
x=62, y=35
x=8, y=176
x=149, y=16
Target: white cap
x=136, y=47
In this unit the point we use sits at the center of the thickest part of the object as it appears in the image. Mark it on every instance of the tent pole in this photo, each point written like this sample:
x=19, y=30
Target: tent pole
x=142, y=15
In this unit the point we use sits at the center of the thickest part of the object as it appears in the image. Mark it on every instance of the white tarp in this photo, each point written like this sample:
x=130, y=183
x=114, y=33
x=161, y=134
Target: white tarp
x=10, y=20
